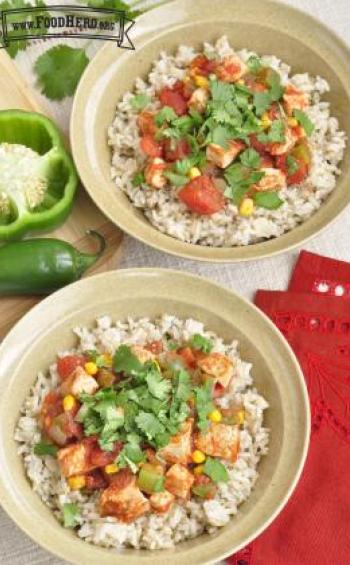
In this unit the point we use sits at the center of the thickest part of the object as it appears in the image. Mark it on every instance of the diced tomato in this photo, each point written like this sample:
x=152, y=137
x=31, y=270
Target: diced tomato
x=72, y=428
x=180, y=150
x=67, y=365
x=202, y=196
x=102, y=458
x=267, y=161
x=188, y=356
x=257, y=145
x=202, y=65
x=155, y=347
x=301, y=154
x=299, y=175
x=252, y=83
x=96, y=480
x=150, y=146
x=146, y=123
x=52, y=406
x=171, y=97
x=218, y=390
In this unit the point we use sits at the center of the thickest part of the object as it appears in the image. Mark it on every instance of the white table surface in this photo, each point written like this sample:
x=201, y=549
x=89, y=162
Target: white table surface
x=16, y=547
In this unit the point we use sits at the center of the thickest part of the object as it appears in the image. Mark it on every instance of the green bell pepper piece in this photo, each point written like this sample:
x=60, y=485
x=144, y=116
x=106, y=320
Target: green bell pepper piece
x=150, y=480
x=38, y=179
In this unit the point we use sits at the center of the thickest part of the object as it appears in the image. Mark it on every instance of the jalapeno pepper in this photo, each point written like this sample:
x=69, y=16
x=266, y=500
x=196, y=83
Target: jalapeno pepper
x=38, y=179
x=41, y=266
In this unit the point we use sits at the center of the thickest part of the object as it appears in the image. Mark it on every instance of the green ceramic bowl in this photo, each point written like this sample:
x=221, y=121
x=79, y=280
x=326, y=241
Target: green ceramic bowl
x=267, y=27
x=32, y=345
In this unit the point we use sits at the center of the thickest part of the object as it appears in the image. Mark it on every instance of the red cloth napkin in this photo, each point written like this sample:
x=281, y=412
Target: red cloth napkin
x=314, y=527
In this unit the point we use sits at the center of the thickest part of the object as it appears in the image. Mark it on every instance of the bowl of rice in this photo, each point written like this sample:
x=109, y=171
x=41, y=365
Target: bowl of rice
x=148, y=425
x=212, y=147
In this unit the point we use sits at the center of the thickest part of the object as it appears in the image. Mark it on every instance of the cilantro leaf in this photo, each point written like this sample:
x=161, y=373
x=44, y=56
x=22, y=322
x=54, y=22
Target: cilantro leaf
x=182, y=391
x=140, y=101
x=138, y=179
x=273, y=79
x=262, y=102
x=304, y=121
x=59, y=70
x=166, y=114
x=176, y=180
x=236, y=192
x=276, y=133
x=292, y=165
x=126, y=362
x=250, y=158
x=220, y=135
x=269, y=200
x=216, y=470
x=220, y=91
x=183, y=166
x=254, y=64
x=70, y=515
x=130, y=456
x=202, y=343
x=118, y=5
x=149, y=424
x=204, y=404
x=45, y=448
x=158, y=386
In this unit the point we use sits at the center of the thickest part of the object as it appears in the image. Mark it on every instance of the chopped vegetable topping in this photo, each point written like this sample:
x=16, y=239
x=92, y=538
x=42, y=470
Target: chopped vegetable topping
x=202, y=343
x=216, y=470
x=70, y=515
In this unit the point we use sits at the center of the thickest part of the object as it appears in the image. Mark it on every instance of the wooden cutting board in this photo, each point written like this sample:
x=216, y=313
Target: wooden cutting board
x=15, y=93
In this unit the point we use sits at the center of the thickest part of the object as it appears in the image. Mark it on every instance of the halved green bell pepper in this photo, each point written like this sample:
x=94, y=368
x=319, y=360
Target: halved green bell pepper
x=38, y=179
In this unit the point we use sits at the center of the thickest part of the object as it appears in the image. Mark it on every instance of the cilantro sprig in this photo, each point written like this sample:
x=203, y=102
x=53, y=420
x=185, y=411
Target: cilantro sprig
x=216, y=470
x=70, y=515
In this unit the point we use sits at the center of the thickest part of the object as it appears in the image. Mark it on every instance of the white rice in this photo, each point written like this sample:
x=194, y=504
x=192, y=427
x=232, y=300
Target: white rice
x=226, y=228
x=183, y=521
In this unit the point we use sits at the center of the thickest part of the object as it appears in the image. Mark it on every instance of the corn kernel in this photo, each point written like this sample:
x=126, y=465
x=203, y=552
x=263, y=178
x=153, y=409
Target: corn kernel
x=240, y=81
x=112, y=468
x=265, y=120
x=246, y=208
x=240, y=417
x=199, y=470
x=107, y=359
x=198, y=456
x=91, y=368
x=186, y=79
x=76, y=483
x=69, y=402
x=292, y=122
x=201, y=82
x=215, y=416
x=194, y=172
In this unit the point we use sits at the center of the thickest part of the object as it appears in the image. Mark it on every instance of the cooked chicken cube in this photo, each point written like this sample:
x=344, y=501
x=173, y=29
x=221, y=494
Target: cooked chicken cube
x=178, y=481
x=142, y=354
x=199, y=100
x=291, y=137
x=125, y=503
x=231, y=69
x=154, y=173
x=295, y=99
x=223, y=157
x=221, y=440
x=161, y=502
x=179, y=448
x=274, y=179
x=74, y=460
x=79, y=382
x=218, y=366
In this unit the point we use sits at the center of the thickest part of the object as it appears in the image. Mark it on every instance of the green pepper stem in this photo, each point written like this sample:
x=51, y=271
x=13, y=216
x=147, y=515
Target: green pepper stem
x=86, y=260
